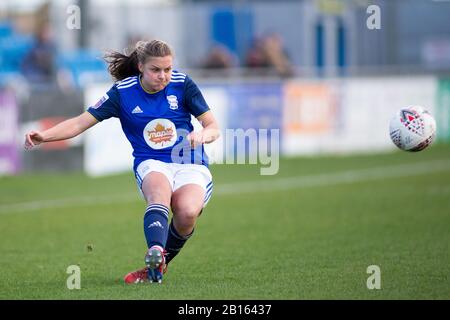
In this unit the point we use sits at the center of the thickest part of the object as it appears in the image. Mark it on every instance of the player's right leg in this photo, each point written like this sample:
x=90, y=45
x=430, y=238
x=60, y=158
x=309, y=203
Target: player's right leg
x=157, y=191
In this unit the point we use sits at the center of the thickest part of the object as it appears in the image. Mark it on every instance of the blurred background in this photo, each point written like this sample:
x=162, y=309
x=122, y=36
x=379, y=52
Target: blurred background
x=328, y=73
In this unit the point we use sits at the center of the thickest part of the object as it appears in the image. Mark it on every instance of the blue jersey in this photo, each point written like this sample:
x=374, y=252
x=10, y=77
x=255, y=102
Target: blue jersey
x=156, y=124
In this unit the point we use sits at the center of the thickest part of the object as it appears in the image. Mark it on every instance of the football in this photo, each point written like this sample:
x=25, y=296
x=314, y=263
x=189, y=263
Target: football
x=412, y=128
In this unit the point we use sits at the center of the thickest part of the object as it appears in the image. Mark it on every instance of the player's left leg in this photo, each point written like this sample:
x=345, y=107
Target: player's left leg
x=192, y=190
x=187, y=204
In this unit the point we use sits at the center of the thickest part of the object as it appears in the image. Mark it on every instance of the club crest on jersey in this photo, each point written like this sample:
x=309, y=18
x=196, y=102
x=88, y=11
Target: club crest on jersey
x=173, y=102
x=160, y=134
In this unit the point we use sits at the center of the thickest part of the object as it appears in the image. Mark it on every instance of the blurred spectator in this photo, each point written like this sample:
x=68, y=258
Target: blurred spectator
x=256, y=56
x=268, y=52
x=133, y=38
x=219, y=57
x=39, y=64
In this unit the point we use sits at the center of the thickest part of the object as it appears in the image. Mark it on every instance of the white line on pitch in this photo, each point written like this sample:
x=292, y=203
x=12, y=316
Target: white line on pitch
x=266, y=185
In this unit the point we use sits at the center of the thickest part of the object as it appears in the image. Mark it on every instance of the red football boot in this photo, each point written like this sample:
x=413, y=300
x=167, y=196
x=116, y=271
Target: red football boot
x=137, y=276
x=156, y=267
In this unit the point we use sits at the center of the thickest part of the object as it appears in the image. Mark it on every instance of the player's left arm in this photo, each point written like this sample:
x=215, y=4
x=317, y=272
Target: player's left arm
x=208, y=134
x=197, y=106
x=211, y=129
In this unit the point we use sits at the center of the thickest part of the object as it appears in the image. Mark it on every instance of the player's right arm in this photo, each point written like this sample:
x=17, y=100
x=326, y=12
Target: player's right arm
x=65, y=130
x=108, y=106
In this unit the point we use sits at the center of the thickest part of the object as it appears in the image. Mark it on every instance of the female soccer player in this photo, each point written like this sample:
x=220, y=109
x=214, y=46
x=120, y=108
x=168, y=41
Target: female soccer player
x=154, y=105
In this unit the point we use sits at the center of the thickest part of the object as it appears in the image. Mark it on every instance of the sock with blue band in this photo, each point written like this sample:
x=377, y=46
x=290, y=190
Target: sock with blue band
x=174, y=242
x=156, y=225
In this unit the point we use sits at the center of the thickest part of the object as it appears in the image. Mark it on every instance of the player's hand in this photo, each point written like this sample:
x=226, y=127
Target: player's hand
x=32, y=139
x=195, y=139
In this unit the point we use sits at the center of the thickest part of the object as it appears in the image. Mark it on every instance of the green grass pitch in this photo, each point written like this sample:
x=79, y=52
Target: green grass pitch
x=309, y=232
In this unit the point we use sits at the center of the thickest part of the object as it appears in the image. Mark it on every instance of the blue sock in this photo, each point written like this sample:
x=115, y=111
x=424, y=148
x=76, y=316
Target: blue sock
x=155, y=225
x=174, y=242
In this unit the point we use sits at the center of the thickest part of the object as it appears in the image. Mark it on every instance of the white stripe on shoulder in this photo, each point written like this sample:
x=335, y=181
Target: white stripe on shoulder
x=126, y=80
x=127, y=85
x=178, y=73
x=179, y=80
x=124, y=84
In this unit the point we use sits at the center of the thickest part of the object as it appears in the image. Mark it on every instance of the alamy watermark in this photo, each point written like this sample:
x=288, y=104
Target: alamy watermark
x=374, y=280
x=250, y=146
x=73, y=20
x=74, y=280
x=373, y=22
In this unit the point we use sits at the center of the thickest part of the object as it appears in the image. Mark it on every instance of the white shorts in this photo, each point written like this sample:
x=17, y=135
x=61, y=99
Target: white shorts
x=178, y=175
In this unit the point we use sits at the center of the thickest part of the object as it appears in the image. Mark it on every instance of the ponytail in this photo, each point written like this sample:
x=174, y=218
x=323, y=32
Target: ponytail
x=122, y=66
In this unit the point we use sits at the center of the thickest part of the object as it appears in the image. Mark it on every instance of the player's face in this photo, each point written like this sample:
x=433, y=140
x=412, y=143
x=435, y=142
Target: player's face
x=156, y=72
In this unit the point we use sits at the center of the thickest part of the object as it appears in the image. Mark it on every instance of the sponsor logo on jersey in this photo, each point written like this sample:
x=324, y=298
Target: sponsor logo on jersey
x=160, y=134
